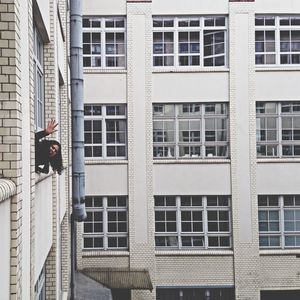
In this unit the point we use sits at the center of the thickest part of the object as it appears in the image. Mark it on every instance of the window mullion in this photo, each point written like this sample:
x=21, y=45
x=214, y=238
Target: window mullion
x=277, y=40
x=279, y=124
x=202, y=137
x=105, y=224
x=281, y=221
x=176, y=43
x=103, y=124
x=178, y=221
x=176, y=128
x=201, y=42
x=103, y=45
x=205, y=222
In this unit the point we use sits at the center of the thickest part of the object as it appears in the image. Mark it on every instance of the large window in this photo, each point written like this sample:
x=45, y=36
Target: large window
x=187, y=222
x=105, y=131
x=104, y=42
x=190, y=130
x=279, y=221
x=106, y=226
x=278, y=129
x=277, y=40
x=189, y=41
x=208, y=293
x=38, y=65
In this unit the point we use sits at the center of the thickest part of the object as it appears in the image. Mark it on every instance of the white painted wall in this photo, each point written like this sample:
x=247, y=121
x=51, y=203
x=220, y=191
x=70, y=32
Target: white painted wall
x=5, y=249
x=106, y=180
x=105, y=88
x=277, y=85
x=191, y=7
x=185, y=87
x=44, y=7
x=26, y=151
x=104, y=7
x=191, y=179
x=60, y=50
x=286, y=180
x=62, y=196
x=43, y=223
x=277, y=6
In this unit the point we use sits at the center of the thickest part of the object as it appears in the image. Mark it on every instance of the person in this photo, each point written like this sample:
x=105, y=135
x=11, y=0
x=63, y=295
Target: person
x=47, y=151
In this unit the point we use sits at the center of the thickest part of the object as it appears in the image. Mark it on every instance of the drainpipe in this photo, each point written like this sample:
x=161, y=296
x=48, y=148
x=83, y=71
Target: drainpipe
x=78, y=174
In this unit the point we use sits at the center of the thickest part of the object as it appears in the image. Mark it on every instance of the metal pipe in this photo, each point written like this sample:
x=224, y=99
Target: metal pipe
x=76, y=64
x=78, y=173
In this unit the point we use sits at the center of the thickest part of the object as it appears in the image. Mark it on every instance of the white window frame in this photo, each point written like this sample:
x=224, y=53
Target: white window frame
x=105, y=235
x=176, y=29
x=200, y=117
x=279, y=143
x=103, y=30
x=39, y=85
x=103, y=118
x=281, y=209
x=277, y=28
x=178, y=234
x=40, y=287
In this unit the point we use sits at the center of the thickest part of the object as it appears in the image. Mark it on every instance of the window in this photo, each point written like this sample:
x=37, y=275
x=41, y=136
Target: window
x=105, y=131
x=189, y=41
x=195, y=293
x=190, y=130
x=279, y=221
x=106, y=225
x=40, y=287
x=279, y=295
x=187, y=222
x=278, y=129
x=104, y=42
x=38, y=65
x=277, y=40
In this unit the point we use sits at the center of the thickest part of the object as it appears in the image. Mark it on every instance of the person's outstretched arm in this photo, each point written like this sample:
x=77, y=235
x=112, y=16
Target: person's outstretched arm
x=49, y=130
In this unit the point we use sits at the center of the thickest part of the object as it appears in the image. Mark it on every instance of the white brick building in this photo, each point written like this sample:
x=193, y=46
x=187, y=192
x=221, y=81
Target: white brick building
x=34, y=209
x=192, y=145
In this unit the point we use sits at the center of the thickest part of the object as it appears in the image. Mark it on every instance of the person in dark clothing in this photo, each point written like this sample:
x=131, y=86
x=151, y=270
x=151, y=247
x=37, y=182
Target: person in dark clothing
x=47, y=151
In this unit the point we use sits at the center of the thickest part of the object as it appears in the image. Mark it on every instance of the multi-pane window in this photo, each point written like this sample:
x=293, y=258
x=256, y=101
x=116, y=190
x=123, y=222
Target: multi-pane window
x=104, y=42
x=279, y=221
x=278, y=129
x=106, y=225
x=277, y=40
x=105, y=131
x=38, y=65
x=193, y=293
x=190, y=130
x=185, y=222
x=189, y=41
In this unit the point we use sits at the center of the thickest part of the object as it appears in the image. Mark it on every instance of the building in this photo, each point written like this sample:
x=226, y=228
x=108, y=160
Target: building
x=34, y=208
x=192, y=147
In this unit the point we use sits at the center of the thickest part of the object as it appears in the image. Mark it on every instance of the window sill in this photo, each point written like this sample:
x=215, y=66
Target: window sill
x=278, y=160
x=100, y=71
x=270, y=252
x=220, y=252
x=277, y=68
x=191, y=161
x=103, y=253
x=105, y=162
x=189, y=69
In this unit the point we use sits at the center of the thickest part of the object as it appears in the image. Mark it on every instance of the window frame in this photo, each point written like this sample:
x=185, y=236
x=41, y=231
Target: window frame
x=282, y=233
x=103, y=118
x=279, y=116
x=174, y=148
x=103, y=30
x=178, y=234
x=277, y=28
x=39, y=83
x=176, y=30
x=106, y=234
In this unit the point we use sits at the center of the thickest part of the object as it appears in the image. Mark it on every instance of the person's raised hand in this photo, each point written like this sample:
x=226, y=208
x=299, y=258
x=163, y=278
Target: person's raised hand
x=51, y=127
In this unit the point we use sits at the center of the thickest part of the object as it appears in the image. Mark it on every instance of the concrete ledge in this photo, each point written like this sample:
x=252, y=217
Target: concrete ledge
x=7, y=189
